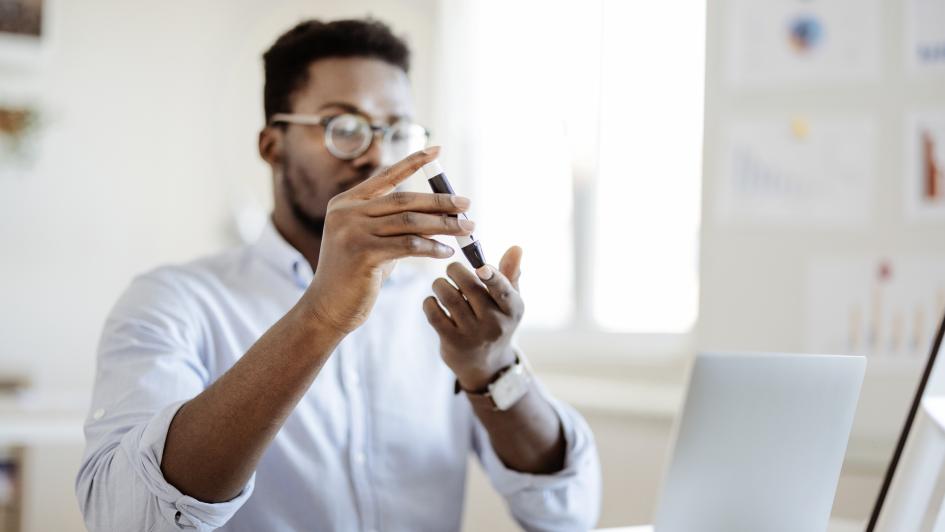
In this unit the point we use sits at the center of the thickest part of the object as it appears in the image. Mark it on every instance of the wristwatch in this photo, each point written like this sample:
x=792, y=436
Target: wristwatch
x=510, y=385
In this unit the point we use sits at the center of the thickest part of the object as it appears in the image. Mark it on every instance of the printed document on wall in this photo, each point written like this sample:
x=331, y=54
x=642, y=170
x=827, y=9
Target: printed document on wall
x=875, y=306
x=925, y=36
x=775, y=42
x=925, y=166
x=796, y=170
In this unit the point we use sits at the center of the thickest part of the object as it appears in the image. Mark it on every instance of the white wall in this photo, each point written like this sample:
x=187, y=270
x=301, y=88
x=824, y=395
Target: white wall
x=753, y=276
x=152, y=112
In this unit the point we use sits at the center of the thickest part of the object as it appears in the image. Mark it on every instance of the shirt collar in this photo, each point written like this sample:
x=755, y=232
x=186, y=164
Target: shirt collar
x=274, y=249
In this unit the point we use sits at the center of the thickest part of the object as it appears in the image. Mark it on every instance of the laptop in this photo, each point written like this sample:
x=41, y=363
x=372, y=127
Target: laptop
x=760, y=443
x=882, y=509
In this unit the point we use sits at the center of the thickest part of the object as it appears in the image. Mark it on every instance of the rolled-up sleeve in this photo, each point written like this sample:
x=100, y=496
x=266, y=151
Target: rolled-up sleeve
x=568, y=500
x=148, y=365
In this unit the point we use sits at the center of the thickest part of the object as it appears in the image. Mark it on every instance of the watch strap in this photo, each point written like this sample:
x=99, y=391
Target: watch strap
x=484, y=397
x=484, y=391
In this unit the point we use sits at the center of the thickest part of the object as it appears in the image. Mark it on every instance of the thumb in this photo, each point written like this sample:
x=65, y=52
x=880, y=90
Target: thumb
x=510, y=265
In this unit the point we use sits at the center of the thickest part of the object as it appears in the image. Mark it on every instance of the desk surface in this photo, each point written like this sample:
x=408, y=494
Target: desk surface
x=835, y=526
x=31, y=420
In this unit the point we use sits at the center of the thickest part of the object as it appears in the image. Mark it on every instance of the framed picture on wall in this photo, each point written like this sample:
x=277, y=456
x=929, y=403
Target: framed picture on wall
x=925, y=166
x=21, y=17
x=22, y=120
x=925, y=36
x=22, y=32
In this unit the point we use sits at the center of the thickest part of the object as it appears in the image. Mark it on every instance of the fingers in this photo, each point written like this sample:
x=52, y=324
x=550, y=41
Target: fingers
x=416, y=223
x=510, y=265
x=385, y=181
x=470, y=287
x=502, y=291
x=416, y=201
x=437, y=317
x=398, y=247
x=460, y=311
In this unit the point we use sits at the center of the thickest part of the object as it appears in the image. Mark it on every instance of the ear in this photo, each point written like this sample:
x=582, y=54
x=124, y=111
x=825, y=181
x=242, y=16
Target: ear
x=271, y=141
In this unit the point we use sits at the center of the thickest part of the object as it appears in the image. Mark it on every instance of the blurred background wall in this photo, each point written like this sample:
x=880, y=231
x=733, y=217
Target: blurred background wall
x=665, y=216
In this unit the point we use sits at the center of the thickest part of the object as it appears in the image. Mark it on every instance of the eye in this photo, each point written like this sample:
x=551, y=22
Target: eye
x=399, y=133
x=348, y=126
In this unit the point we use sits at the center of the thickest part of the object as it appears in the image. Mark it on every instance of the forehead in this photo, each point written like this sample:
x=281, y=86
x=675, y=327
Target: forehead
x=376, y=88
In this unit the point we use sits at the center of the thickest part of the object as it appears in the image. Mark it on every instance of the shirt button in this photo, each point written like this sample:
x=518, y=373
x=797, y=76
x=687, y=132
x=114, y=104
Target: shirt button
x=359, y=458
x=98, y=414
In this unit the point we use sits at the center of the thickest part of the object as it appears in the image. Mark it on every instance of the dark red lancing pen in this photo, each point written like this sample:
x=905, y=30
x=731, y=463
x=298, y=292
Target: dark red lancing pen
x=438, y=182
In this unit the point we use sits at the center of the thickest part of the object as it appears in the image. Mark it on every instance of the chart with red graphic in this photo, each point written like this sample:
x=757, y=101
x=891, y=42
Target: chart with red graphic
x=925, y=166
x=885, y=307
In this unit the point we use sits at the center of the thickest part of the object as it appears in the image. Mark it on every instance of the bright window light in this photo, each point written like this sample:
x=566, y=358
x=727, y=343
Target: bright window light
x=581, y=125
x=645, y=261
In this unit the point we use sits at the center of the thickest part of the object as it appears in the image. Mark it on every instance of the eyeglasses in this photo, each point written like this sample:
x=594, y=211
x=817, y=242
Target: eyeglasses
x=349, y=135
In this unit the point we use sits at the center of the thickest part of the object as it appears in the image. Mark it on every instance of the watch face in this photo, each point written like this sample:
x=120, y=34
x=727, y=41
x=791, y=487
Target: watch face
x=510, y=387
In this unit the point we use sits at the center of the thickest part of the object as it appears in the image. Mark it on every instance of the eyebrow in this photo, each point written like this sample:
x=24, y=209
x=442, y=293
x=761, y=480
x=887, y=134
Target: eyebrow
x=350, y=108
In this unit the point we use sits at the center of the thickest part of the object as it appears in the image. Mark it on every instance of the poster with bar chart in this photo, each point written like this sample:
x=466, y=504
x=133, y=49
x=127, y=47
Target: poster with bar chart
x=795, y=170
x=881, y=307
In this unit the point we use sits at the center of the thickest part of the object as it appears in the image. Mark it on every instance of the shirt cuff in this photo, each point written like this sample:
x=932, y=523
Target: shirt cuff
x=580, y=461
x=144, y=446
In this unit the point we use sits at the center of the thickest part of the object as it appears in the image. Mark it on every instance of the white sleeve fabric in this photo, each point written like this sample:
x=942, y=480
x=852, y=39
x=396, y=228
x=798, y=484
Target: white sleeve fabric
x=568, y=500
x=148, y=366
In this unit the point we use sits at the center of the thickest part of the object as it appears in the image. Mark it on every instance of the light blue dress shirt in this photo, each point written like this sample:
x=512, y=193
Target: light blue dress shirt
x=378, y=443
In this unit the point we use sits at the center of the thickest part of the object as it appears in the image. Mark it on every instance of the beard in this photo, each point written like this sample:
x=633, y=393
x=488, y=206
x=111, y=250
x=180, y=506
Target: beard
x=292, y=180
x=312, y=223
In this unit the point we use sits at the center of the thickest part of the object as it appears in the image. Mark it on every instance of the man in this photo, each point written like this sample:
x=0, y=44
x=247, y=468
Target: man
x=294, y=384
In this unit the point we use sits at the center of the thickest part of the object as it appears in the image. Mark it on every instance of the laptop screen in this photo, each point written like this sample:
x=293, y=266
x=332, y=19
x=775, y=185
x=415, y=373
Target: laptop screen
x=931, y=382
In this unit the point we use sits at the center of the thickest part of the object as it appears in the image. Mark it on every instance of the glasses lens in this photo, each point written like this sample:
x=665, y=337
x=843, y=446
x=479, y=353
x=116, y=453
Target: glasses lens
x=404, y=138
x=347, y=136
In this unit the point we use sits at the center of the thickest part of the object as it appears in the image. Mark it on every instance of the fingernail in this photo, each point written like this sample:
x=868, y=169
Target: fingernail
x=485, y=272
x=460, y=201
x=468, y=225
x=430, y=150
x=445, y=251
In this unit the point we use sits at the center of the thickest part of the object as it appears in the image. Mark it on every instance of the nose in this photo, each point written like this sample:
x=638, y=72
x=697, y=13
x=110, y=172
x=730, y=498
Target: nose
x=373, y=157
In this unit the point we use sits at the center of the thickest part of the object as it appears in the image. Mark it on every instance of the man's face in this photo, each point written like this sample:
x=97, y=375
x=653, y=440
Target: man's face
x=309, y=175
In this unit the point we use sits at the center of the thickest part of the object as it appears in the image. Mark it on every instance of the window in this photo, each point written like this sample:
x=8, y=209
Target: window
x=581, y=131
x=647, y=206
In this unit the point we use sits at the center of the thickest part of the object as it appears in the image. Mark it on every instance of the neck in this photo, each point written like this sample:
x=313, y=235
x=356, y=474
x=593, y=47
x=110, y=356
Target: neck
x=297, y=235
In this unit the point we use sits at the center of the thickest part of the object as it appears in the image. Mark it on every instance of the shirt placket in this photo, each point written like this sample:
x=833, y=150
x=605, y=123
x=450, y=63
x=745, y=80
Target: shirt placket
x=358, y=455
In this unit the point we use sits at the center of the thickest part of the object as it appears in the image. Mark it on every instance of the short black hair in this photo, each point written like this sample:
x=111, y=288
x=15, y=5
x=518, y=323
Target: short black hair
x=286, y=62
